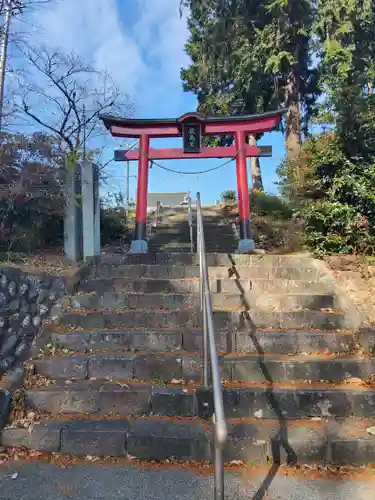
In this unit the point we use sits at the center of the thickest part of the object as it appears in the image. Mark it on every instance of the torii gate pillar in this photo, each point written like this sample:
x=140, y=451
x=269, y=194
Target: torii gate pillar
x=139, y=244
x=246, y=243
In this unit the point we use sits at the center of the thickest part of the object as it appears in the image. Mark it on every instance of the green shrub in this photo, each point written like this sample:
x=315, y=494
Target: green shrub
x=229, y=195
x=267, y=204
x=274, y=234
x=335, y=227
x=113, y=226
x=337, y=198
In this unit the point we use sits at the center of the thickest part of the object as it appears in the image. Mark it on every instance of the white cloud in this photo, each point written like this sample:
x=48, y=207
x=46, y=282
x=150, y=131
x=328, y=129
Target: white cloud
x=161, y=28
x=140, y=43
x=93, y=30
x=162, y=34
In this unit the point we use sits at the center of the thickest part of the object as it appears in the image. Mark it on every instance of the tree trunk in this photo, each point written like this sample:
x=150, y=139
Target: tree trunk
x=256, y=173
x=293, y=116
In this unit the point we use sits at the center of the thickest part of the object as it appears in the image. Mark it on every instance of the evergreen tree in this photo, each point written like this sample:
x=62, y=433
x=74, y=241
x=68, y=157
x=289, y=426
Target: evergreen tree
x=252, y=56
x=346, y=33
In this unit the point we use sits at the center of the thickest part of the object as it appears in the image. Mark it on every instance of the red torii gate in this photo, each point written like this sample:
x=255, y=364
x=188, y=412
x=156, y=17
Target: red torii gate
x=192, y=126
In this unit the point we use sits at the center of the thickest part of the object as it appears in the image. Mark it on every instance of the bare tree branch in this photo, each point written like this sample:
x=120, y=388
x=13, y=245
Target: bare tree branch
x=19, y=6
x=65, y=95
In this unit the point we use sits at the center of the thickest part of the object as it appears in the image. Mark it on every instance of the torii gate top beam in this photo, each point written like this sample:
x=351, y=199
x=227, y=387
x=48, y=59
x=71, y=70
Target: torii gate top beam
x=211, y=125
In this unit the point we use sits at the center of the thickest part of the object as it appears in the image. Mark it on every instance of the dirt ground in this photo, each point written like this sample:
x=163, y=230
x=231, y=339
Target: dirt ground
x=49, y=261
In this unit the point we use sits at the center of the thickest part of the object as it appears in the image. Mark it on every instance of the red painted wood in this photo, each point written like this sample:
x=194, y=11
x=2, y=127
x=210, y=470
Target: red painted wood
x=254, y=126
x=141, y=210
x=242, y=182
x=151, y=131
x=257, y=125
x=178, y=154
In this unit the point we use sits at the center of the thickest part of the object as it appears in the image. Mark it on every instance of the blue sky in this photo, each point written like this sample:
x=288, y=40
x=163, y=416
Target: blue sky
x=141, y=43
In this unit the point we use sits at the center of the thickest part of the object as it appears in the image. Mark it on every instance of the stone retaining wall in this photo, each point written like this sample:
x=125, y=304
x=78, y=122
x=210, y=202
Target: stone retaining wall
x=25, y=301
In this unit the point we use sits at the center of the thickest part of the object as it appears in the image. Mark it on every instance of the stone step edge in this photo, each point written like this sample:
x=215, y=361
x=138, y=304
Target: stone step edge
x=145, y=279
x=220, y=301
x=251, y=400
x=236, y=309
x=189, y=367
x=188, y=294
x=157, y=439
x=249, y=284
x=233, y=318
x=107, y=266
x=51, y=329
x=239, y=310
x=269, y=343
x=100, y=384
x=231, y=356
x=261, y=265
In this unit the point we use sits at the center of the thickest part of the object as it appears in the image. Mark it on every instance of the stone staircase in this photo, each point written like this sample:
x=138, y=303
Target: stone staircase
x=173, y=232
x=120, y=372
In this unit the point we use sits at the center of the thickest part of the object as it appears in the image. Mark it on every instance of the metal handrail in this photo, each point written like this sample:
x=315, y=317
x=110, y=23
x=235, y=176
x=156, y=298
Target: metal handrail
x=152, y=222
x=210, y=353
x=190, y=218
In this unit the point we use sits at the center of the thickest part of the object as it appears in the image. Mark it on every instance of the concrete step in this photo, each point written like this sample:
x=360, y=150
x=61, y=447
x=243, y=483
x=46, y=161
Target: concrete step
x=172, y=235
x=291, y=401
x=188, y=366
x=209, y=224
x=225, y=285
x=366, y=338
x=273, y=342
x=158, y=248
x=102, y=398
x=172, y=231
x=262, y=401
x=166, y=244
x=116, y=300
x=132, y=271
x=213, y=259
x=251, y=441
x=161, y=247
x=222, y=246
x=191, y=318
x=229, y=247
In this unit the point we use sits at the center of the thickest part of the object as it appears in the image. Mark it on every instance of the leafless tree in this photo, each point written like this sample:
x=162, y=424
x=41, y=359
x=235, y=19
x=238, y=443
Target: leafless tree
x=19, y=6
x=10, y=9
x=65, y=95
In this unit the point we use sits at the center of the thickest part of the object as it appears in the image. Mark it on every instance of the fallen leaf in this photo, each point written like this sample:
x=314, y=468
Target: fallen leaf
x=15, y=475
x=236, y=462
x=353, y=380
x=176, y=381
